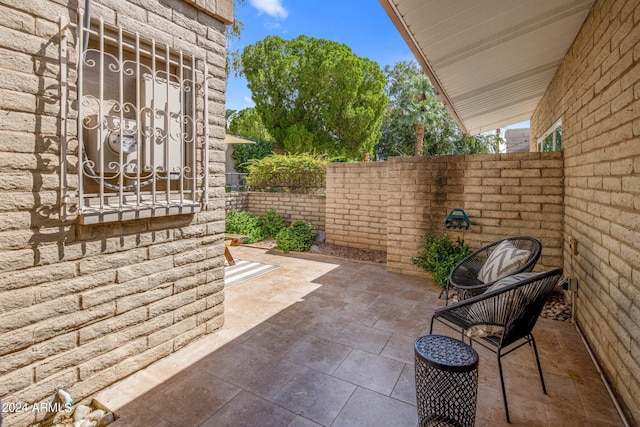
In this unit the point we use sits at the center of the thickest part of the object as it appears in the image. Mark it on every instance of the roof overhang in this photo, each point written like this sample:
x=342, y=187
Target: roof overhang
x=234, y=139
x=490, y=61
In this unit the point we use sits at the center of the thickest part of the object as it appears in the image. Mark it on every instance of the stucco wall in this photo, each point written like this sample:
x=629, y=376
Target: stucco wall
x=596, y=93
x=84, y=306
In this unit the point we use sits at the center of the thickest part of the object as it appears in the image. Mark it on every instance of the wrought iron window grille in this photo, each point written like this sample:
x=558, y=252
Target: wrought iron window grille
x=142, y=127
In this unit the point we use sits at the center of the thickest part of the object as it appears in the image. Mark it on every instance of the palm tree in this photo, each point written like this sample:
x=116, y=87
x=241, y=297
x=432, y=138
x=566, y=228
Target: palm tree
x=424, y=110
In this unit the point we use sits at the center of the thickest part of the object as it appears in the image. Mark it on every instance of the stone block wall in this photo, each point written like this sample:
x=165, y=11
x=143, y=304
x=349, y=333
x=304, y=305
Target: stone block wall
x=357, y=204
x=84, y=306
x=236, y=201
x=596, y=93
x=518, y=194
x=294, y=207
x=389, y=205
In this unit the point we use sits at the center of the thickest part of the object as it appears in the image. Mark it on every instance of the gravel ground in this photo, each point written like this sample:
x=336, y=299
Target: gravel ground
x=555, y=308
x=334, y=250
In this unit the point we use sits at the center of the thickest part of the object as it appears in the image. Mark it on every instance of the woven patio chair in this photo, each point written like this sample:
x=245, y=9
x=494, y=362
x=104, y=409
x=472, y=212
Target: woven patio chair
x=465, y=275
x=502, y=318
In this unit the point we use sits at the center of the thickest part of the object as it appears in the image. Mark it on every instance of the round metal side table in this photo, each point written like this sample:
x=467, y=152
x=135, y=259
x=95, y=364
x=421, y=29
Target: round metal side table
x=446, y=381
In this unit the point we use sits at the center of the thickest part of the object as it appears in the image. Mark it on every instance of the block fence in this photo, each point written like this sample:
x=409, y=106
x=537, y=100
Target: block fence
x=389, y=205
x=236, y=201
x=357, y=205
x=503, y=195
x=295, y=207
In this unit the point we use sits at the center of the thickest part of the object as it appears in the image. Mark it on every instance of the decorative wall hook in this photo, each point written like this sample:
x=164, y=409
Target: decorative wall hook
x=457, y=220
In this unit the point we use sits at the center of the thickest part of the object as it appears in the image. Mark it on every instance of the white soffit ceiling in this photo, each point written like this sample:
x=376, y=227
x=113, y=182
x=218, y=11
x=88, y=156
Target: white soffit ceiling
x=490, y=60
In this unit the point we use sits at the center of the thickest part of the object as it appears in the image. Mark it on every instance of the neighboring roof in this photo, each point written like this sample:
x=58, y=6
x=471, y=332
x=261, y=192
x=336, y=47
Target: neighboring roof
x=233, y=139
x=489, y=60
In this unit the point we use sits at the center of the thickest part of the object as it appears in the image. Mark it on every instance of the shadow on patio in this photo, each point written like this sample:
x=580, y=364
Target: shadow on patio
x=329, y=342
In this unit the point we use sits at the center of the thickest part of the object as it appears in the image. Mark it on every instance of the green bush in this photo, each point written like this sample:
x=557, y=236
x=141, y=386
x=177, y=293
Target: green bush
x=244, y=153
x=245, y=223
x=297, y=237
x=300, y=173
x=272, y=223
x=439, y=255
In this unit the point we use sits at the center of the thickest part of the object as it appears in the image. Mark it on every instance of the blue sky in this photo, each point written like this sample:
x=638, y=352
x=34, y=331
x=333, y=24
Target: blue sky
x=362, y=25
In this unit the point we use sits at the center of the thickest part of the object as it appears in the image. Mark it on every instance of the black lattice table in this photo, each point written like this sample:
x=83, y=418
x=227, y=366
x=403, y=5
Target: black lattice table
x=446, y=381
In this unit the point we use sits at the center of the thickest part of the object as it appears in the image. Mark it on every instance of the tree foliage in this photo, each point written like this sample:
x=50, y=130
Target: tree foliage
x=247, y=124
x=316, y=95
x=234, y=31
x=442, y=135
x=422, y=109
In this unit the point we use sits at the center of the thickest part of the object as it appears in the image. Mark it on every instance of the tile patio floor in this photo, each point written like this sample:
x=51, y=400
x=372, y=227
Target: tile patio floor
x=327, y=342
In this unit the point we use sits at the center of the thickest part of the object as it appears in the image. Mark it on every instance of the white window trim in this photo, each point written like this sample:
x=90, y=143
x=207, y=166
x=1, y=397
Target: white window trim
x=550, y=131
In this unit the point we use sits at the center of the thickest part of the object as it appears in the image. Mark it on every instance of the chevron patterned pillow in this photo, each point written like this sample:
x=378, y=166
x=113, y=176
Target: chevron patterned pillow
x=504, y=260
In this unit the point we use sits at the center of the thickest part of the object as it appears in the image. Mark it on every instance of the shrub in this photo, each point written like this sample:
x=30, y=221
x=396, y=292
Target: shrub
x=272, y=223
x=439, y=255
x=297, y=237
x=244, y=153
x=245, y=223
x=300, y=173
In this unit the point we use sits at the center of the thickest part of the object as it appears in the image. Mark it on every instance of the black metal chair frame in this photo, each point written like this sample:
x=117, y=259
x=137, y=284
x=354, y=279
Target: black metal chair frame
x=464, y=276
x=515, y=308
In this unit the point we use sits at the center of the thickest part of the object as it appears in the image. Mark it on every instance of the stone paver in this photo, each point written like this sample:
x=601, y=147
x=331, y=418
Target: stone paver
x=326, y=342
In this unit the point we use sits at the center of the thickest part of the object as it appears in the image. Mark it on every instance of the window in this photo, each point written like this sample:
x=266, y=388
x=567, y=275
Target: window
x=142, y=128
x=551, y=140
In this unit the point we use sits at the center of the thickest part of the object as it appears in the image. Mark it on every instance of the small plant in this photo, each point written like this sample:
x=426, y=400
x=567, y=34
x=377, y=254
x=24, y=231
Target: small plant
x=272, y=223
x=245, y=223
x=439, y=255
x=297, y=237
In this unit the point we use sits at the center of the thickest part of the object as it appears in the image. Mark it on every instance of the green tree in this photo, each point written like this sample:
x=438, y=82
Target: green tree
x=234, y=31
x=316, y=95
x=397, y=135
x=442, y=135
x=447, y=138
x=423, y=109
x=247, y=124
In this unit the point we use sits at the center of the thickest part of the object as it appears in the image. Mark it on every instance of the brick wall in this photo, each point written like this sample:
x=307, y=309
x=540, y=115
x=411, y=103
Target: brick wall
x=389, y=206
x=357, y=205
x=84, y=306
x=596, y=93
x=503, y=195
x=294, y=207
x=237, y=201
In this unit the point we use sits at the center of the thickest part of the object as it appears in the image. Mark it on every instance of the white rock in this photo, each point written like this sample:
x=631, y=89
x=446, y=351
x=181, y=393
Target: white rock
x=106, y=420
x=95, y=415
x=81, y=412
